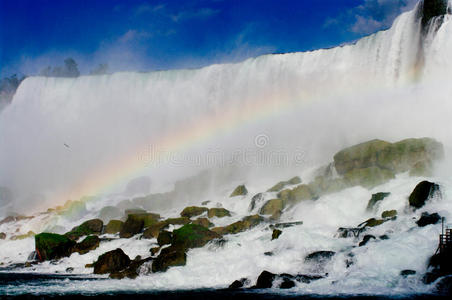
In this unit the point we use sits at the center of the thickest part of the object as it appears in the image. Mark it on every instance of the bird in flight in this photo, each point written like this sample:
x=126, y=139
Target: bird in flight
x=66, y=145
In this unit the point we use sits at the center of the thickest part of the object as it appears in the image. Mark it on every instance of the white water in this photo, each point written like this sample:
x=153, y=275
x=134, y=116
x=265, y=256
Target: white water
x=340, y=96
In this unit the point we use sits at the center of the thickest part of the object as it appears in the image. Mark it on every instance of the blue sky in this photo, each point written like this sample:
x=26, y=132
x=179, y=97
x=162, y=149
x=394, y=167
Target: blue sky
x=148, y=35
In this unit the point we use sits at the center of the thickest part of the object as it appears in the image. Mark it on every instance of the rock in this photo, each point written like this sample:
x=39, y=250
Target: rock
x=280, y=185
x=421, y=193
x=89, y=243
x=273, y=208
x=193, y=211
x=287, y=283
x=205, y=202
x=192, y=236
x=52, y=246
x=286, y=224
x=276, y=233
x=268, y=253
x=114, y=226
x=389, y=214
x=422, y=168
x=164, y=238
x=319, y=257
x=23, y=236
x=169, y=257
x=240, y=226
x=343, y=232
x=131, y=271
x=375, y=199
x=108, y=213
x=148, y=218
x=297, y=194
x=255, y=200
x=406, y=273
x=112, y=261
x=218, y=212
x=431, y=9
x=177, y=221
x=428, y=219
x=2, y=235
x=372, y=222
x=444, y=286
x=368, y=177
x=366, y=239
x=239, y=191
x=384, y=237
x=325, y=185
x=203, y=222
x=237, y=284
x=154, y=250
x=69, y=270
x=93, y=226
x=152, y=232
x=265, y=280
x=131, y=227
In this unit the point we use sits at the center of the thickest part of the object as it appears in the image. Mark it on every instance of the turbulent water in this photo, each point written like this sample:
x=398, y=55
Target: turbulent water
x=58, y=134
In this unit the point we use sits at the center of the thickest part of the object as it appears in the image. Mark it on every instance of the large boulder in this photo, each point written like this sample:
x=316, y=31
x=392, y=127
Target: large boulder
x=93, y=226
x=112, y=261
x=319, y=257
x=389, y=214
x=192, y=236
x=377, y=197
x=131, y=227
x=203, y=222
x=428, y=219
x=169, y=257
x=273, y=208
x=164, y=238
x=52, y=246
x=193, y=211
x=297, y=194
x=421, y=193
x=89, y=243
x=265, y=280
x=240, y=226
x=239, y=191
x=114, y=226
x=280, y=185
x=148, y=218
x=218, y=212
x=368, y=177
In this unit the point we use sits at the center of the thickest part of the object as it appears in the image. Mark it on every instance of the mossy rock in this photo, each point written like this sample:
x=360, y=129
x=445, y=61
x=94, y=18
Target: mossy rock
x=368, y=177
x=177, y=221
x=114, y=226
x=154, y=250
x=203, y=222
x=148, y=218
x=240, y=226
x=323, y=185
x=372, y=222
x=218, y=212
x=111, y=261
x=276, y=233
x=272, y=207
x=421, y=193
x=297, y=194
x=89, y=243
x=152, y=232
x=377, y=197
x=131, y=227
x=239, y=191
x=388, y=214
x=193, y=236
x=93, y=226
x=108, y=213
x=2, y=235
x=53, y=246
x=169, y=257
x=280, y=185
x=193, y=211
x=23, y=236
x=164, y=238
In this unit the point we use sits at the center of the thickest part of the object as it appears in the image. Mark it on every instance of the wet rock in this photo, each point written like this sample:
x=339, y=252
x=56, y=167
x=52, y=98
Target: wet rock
x=203, y=222
x=377, y=197
x=218, y=212
x=205, y=202
x=280, y=185
x=148, y=218
x=169, y=257
x=177, y=221
x=93, y=226
x=89, y=243
x=239, y=191
x=343, y=232
x=69, y=270
x=108, y=213
x=319, y=257
x=192, y=236
x=164, y=238
x=406, y=273
x=152, y=232
x=53, y=246
x=112, y=261
x=23, y=236
x=287, y=283
x=372, y=222
x=421, y=193
x=131, y=271
x=286, y=224
x=444, y=286
x=273, y=208
x=428, y=219
x=256, y=200
x=135, y=224
x=268, y=253
x=193, y=211
x=366, y=239
x=114, y=226
x=297, y=194
x=384, y=237
x=237, y=284
x=240, y=226
x=389, y=214
x=276, y=233
x=2, y=235
x=265, y=280
x=154, y=250
x=368, y=177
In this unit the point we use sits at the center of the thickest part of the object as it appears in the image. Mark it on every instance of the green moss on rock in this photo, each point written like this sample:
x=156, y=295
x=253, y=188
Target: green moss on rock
x=377, y=197
x=89, y=243
x=114, y=226
x=387, y=214
x=192, y=236
x=218, y=212
x=368, y=177
x=239, y=191
x=272, y=207
x=53, y=246
x=93, y=226
x=169, y=257
x=193, y=211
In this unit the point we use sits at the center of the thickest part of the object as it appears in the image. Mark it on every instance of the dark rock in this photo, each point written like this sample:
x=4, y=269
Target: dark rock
x=154, y=250
x=285, y=225
x=169, y=257
x=265, y=280
x=89, y=243
x=93, y=226
x=319, y=257
x=203, y=222
x=52, y=246
x=308, y=278
x=431, y=9
x=114, y=226
x=164, y=238
x=131, y=271
x=349, y=232
x=218, y=212
x=421, y=193
x=384, y=237
x=112, y=261
x=147, y=218
x=131, y=227
x=255, y=200
x=239, y=191
x=287, y=283
x=245, y=224
x=276, y=233
x=69, y=270
x=375, y=199
x=389, y=214
x=193, y=236
x=406, y=273
x=193, y=211
x=268, y=253
x=444, y=286
x=428, y=219
x=237, y=284
x=2, y=235
x=366, y=239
